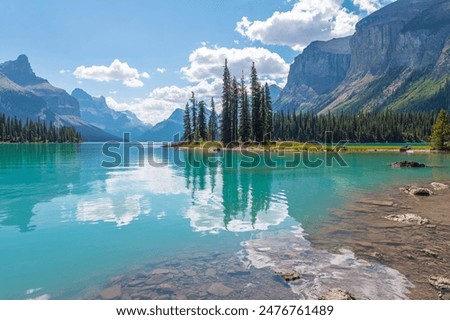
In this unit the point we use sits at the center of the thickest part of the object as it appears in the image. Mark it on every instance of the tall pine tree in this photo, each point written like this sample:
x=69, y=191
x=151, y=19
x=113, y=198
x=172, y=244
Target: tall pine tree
x=268, y=113
x=245, y=129
x=194, y=117
x=187, y=136
x=202, y=128
x=226, y=106
x=257, y=125
x=212, y=123
x=234, y=110
x=440, y=131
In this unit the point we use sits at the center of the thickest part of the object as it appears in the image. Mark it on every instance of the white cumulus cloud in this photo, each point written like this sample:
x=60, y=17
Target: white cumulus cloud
x=161, y=70
x=371, y=5
x=161, y=102
x=207, y=63
x=117, y=71
x=307, y=21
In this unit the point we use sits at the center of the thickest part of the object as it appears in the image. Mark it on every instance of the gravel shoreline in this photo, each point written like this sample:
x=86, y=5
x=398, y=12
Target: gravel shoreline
x=405, y=232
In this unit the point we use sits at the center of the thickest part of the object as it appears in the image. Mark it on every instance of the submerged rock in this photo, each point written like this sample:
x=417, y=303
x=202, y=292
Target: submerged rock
x=337, y=294
x=417, y=191
x=380, y=203
x=408, y=218
x=430, y=253
x=439, y=186
x=378, y=255
x=289, y=275
x=440, y=283
x=114, y=292
x=219, y=289
x=407, y=164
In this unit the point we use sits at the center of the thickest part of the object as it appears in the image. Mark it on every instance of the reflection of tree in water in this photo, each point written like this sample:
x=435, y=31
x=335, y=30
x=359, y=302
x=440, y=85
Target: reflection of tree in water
x=25, y=174
x=195, y=171
x=261, y=182
x=230, y=195
x=245, y=191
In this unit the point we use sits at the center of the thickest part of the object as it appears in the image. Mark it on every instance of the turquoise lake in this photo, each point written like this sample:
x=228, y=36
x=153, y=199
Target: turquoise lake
x=68, y=224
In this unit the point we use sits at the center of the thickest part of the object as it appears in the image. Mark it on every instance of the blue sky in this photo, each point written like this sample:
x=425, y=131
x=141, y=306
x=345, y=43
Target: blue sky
x=147, y=56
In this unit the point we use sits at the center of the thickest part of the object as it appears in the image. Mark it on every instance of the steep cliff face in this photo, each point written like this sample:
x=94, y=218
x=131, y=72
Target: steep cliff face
x=399, y=59
x=379, y=43
x=315, y=73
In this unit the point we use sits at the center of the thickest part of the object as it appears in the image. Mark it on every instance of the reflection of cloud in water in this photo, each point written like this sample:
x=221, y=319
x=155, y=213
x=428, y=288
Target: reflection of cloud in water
x=104, y=209
x=321, y=270
x=148, y=179
x=120, y=198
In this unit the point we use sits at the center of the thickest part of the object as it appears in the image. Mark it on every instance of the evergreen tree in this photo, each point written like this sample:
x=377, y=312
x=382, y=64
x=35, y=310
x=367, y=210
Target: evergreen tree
x=212, y=123
x=13, y=130
x=440, y=131
x=268, y=114
x=226, y=106
x=363, y=127
x=234, y=110
x=202, y=128
x=194, y=117
x=257, y=125
x=245, y=129
x=187, y=136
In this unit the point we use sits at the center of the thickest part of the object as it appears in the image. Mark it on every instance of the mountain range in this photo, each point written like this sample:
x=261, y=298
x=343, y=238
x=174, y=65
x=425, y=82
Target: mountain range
x=96, y=111
x=398, y=59
x=25, y=95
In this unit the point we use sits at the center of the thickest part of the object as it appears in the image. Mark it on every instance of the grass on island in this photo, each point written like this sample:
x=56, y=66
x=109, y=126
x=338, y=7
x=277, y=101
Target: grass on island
x=296, y=146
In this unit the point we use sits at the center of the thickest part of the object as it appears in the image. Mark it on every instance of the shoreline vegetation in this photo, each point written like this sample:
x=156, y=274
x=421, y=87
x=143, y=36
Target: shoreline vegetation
x=249, y=122
x=294, y=147
x=14, y=130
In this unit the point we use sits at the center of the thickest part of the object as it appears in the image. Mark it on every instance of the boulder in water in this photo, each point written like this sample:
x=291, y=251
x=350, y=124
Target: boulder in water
x=417, y=191
x=408, y=218
x=337, y=294
x=407, y=164
x=289, y=275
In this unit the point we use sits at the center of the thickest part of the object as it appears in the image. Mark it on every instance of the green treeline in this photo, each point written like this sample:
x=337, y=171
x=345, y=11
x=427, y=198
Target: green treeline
x=244, y=117
x=14, y=130
x=386, y=126
x=247, y=116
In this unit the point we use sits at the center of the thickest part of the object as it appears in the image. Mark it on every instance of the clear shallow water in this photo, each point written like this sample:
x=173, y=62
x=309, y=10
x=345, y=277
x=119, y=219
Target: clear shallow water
x=67, y=223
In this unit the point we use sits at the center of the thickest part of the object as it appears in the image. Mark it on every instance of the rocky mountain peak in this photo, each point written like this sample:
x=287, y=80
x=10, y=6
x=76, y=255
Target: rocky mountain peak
x=177, y=115
x=80, y=94
x=20, y=71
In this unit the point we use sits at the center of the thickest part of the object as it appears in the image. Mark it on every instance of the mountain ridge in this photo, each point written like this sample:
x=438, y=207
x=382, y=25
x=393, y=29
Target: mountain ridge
x=96, y=111
x=399, y=60
x=25, y=95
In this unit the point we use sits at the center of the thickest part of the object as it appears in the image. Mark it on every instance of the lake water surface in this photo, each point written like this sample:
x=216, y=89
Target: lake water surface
x=67, y=224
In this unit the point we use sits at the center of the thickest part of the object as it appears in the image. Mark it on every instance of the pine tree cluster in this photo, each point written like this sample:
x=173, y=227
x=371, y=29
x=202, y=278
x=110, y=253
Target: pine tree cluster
x=245, y=119
x=196, y=127
x=384, y=126
x=14, y=130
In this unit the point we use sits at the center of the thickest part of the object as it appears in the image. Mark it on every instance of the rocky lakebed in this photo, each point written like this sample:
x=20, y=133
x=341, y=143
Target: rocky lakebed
x=390, y=245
